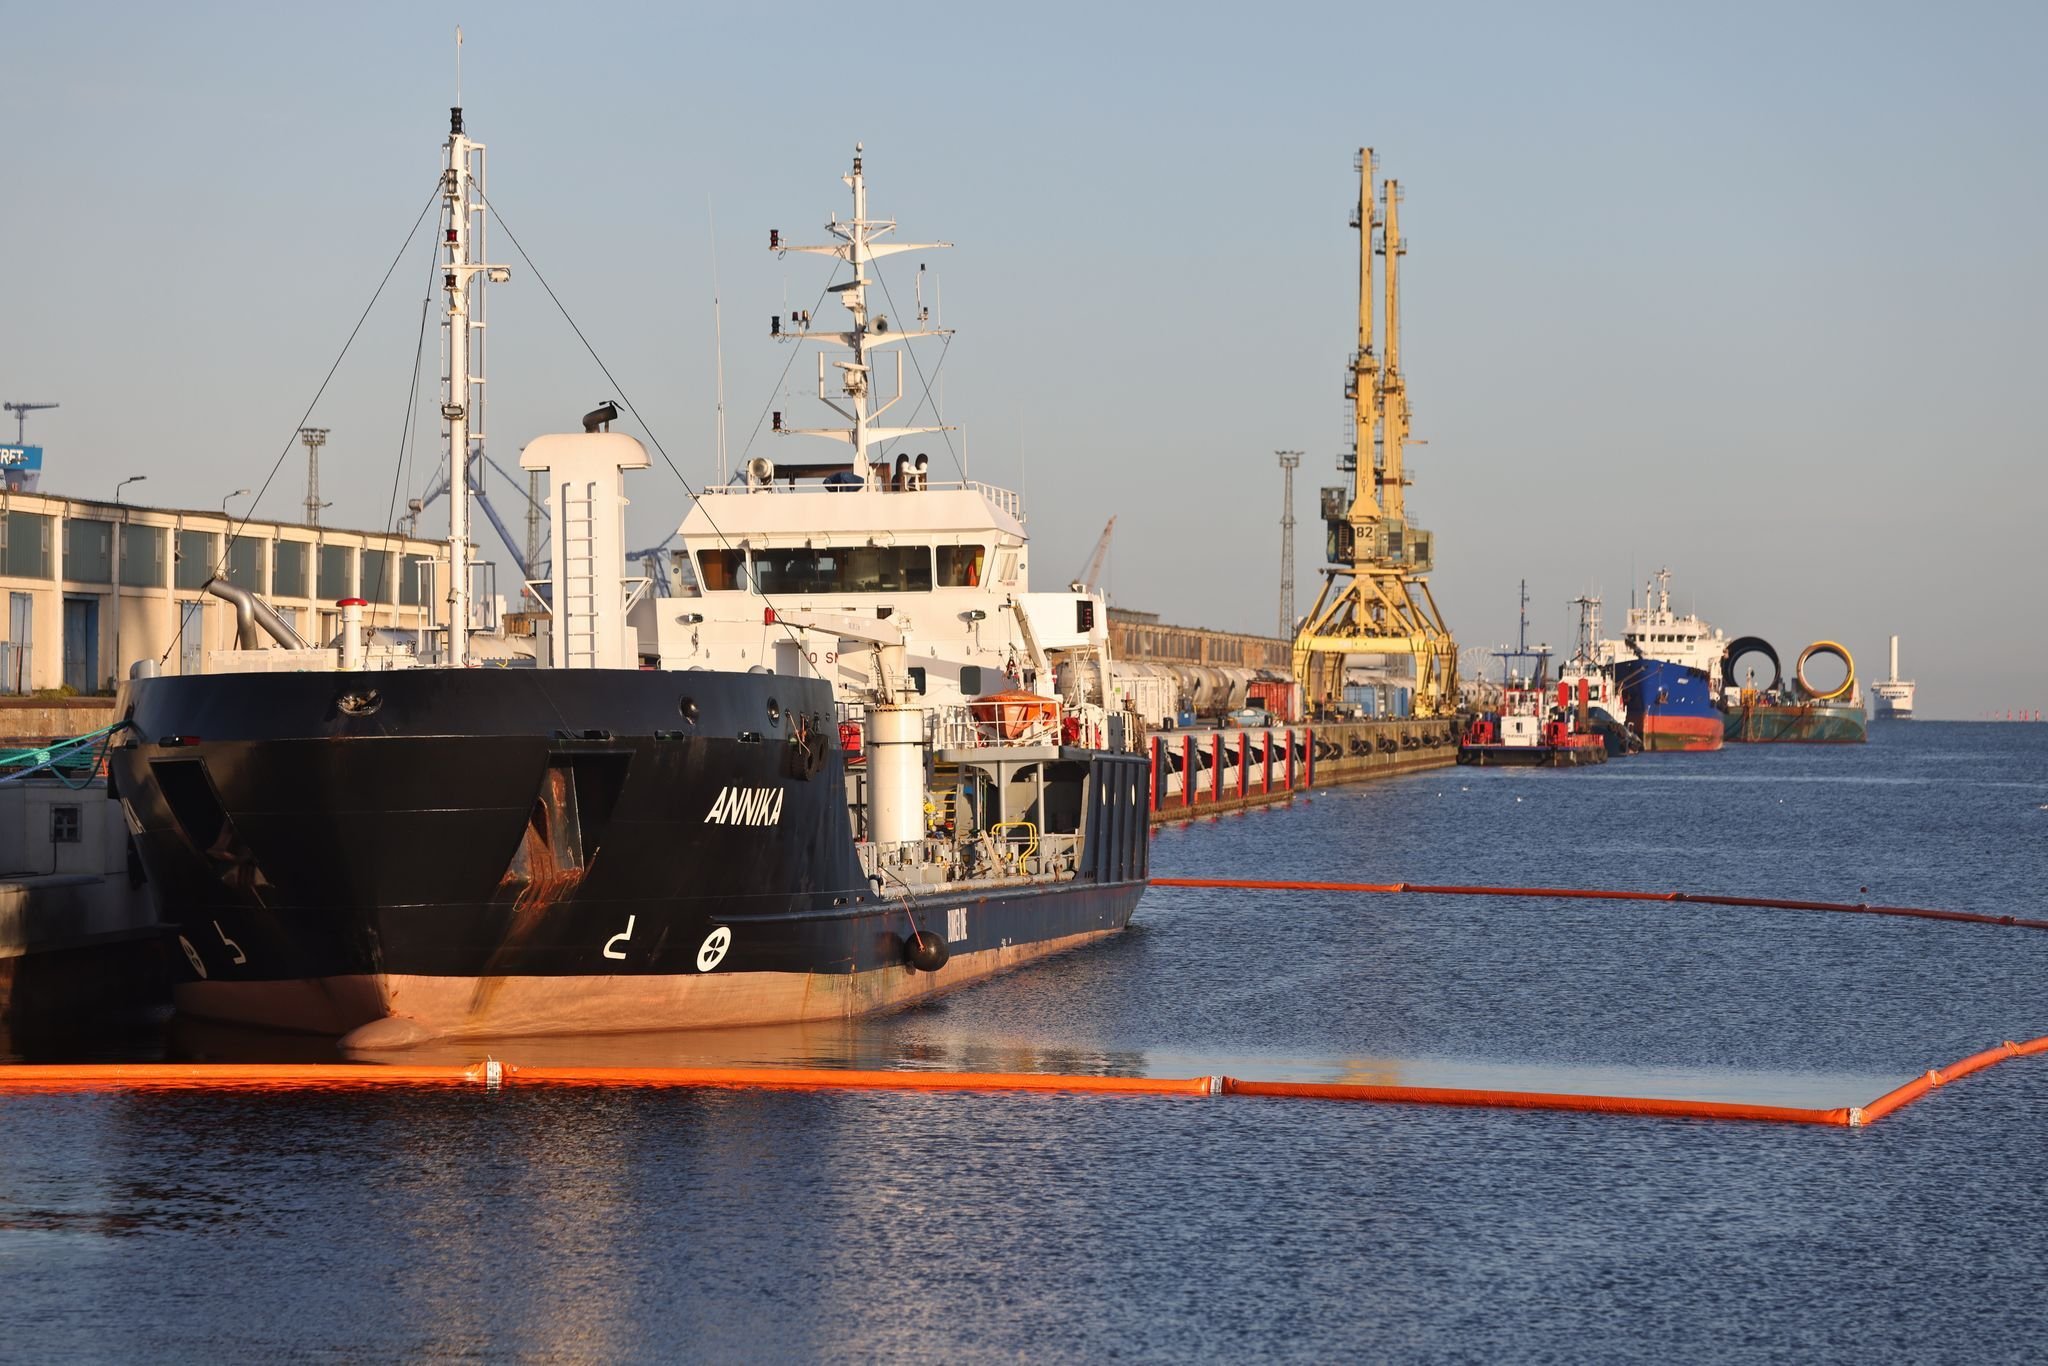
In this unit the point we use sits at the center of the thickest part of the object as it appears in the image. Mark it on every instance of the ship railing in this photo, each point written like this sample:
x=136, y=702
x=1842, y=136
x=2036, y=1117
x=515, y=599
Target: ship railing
x=1008, y=500
x=957, y=726
x=1014, y=849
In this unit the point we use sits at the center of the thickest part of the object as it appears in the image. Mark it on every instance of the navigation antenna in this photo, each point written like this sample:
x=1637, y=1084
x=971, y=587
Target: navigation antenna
x=462, y=407
x=857, y=247
x=1375, y=598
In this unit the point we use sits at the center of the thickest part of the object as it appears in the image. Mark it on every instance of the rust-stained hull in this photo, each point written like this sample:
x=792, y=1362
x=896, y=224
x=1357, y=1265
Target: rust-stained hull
x=1797, y=723
x=394, y=1010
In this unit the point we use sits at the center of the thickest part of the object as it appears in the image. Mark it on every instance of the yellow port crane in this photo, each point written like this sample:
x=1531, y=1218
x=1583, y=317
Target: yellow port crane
x=1375, y=598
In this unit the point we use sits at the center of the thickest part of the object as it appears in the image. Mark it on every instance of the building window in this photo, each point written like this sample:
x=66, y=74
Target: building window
x=28, y=545
x=16, y=672
x=337, y=568
x=88, y=550
x=64, y=824
x=288, y=569
x=191, y=637
x=245, y=563
x=196, y=562
x=377, y=583
x=142, y=556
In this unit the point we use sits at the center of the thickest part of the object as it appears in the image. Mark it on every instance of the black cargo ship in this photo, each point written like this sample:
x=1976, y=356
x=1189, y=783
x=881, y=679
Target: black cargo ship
x=382, y=840
x=512, y=851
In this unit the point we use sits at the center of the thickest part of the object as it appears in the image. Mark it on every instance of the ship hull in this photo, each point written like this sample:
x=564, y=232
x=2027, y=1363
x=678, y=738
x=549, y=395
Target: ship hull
x=1809, y=723
x=371, y=1010
x=1533, y=756
x=493, y=852
x=1671, y=706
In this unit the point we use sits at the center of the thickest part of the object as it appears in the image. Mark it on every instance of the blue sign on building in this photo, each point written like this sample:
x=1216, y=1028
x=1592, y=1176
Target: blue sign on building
x=22, y=467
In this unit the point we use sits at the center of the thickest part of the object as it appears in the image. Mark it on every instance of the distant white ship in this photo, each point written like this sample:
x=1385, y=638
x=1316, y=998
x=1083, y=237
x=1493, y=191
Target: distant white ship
x=1894, y=694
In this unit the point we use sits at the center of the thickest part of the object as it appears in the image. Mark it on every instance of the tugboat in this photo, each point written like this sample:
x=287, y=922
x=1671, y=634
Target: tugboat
x=391, y=844
x=1591, y=681
x=1529, y=729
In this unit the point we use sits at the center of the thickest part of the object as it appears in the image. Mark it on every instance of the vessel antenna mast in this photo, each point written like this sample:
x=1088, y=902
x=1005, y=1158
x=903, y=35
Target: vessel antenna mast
x=857, y=247
x=1289, y=462
x=462, y=218
x=1589, y=626
x=718, y=340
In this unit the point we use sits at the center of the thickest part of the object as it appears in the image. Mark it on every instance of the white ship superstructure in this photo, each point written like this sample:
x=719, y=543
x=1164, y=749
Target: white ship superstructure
x=867, y=549
x=1657, y=632
x=1894, y=694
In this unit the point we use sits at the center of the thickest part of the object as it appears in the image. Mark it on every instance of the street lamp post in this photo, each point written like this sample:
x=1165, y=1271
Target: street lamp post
x=118, y=533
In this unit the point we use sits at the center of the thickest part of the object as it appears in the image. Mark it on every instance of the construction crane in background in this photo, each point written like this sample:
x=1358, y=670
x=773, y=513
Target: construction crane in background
x=1085, y=581
x=1375, y=598
x=21, y=412
x=1290, y=461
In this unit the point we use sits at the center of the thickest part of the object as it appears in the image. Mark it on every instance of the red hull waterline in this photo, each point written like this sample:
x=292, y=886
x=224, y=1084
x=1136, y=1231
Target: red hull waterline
x=1682, y=734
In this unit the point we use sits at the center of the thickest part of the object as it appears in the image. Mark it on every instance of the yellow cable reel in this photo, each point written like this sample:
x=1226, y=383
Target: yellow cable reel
x=1826, y=647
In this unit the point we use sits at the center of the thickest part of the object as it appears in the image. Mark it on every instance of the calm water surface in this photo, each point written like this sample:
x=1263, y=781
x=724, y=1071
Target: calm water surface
x=651, y=1225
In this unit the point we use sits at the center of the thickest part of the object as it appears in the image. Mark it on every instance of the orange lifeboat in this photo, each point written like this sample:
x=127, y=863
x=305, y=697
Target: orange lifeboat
x=1013, y=715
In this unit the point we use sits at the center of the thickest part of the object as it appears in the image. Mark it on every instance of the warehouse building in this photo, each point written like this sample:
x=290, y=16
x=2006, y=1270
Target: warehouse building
x=93, y=587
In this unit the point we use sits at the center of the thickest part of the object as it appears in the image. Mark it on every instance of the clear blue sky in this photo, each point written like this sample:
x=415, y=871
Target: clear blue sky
x=1752, y=291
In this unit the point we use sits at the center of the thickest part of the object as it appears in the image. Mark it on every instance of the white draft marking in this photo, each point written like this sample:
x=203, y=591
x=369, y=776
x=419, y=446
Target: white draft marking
x=191, y=955
x=233, y=947
x=956, y=925
x=610, y=945
x=713, y=951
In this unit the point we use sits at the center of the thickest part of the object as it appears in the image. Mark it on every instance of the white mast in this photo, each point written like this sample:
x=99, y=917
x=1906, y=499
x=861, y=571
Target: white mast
x=461, y=219
x=718, y=339
x=857, y=246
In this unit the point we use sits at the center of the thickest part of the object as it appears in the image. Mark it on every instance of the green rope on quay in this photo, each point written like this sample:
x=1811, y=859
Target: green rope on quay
x=79, y=754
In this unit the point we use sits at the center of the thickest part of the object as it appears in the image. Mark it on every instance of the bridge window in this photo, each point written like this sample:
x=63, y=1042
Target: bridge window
x=828, y=569
x=721, y=569
x=845, y=569
x=960, y=566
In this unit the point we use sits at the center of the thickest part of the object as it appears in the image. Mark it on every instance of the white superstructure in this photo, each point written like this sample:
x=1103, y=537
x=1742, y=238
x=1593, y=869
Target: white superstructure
x=1894, y=694
x=1657, y=632
x=805, y=568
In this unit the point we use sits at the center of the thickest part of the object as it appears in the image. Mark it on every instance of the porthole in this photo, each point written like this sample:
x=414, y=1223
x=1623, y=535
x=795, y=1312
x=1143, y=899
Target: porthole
x=774, y=712
x=688, y=707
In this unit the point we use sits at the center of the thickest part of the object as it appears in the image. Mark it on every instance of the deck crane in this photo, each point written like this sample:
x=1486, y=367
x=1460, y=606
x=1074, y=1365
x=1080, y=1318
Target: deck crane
x=1085, y=581
x=21, y=412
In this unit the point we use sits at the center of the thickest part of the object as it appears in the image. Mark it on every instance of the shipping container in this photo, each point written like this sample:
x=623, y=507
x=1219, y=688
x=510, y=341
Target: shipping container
x=1282, y=699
